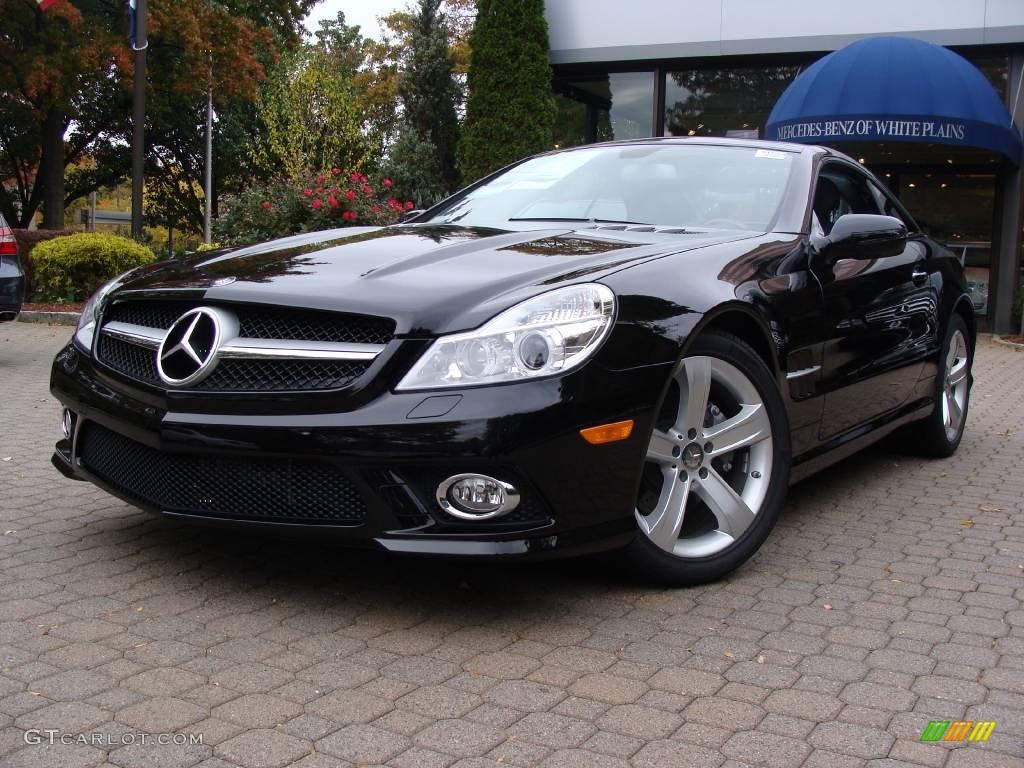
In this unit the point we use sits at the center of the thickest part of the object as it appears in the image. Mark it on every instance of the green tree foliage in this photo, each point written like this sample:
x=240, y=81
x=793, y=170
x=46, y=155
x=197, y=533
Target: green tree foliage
x=422, y=160
x=510, y=110
x=413, y=166
x=428, y=88
x=395, y=40
x=310, y=107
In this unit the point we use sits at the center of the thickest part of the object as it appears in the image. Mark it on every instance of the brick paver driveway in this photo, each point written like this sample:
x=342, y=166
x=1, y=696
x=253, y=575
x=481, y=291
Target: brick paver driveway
x=890, y=595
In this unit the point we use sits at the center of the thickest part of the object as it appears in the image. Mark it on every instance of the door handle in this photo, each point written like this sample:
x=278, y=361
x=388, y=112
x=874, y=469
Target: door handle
x=919, y=275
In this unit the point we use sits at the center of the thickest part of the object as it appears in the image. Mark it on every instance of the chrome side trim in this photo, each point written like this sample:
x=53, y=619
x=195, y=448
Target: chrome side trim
x=281, y=349
x=139, y=335
x=803, y=372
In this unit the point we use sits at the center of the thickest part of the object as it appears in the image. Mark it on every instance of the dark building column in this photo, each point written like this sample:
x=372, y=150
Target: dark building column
x=1006, y=267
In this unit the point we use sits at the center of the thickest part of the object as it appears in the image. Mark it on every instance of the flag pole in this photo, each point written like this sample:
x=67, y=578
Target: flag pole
x=139, y=45
x=208, y=191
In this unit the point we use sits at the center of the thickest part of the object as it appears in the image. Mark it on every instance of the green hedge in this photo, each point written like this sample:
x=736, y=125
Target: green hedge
x=27, y=239
x=72, y=268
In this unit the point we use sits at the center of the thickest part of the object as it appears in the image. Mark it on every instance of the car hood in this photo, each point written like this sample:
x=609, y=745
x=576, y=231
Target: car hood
x=429, y=279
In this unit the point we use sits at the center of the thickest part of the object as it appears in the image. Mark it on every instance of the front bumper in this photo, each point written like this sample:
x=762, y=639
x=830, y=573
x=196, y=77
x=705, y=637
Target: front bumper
x=384, y=458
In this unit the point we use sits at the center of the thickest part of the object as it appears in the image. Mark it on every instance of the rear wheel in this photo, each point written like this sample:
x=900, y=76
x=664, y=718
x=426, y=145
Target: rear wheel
x=717, y=466
x=939, y=435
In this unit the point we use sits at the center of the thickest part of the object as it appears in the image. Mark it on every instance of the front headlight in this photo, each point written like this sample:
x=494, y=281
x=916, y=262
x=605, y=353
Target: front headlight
x=87, y=322
x=548, y=334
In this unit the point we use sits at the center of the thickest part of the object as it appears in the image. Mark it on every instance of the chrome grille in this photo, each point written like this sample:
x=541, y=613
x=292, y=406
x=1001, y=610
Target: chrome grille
x=265, y=322
x=294, y=339
x=152, y=314
x=131, y=360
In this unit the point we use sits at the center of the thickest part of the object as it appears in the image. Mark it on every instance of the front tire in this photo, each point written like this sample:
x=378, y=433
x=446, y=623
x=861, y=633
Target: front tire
x=717, y=466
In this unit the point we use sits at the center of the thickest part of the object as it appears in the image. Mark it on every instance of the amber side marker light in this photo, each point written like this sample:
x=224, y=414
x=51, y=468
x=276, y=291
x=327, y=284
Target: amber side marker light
x=608, y=433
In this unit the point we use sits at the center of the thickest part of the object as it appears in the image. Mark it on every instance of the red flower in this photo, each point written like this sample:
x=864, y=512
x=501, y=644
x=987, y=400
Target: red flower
x=319, y=190
x=351, y=195
x=376, y=209
x=367, y=189
x=355, y=177
x=387, y=182
x=352, y=215
x=307, y=192
x=320, y=179
x=349, y=216
x=317, y=204
x=410, y=205
x=266, y=205
x=336, y=171
x=333, y=202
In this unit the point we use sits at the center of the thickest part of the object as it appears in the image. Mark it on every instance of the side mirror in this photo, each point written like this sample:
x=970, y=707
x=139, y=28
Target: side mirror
x=865, y=236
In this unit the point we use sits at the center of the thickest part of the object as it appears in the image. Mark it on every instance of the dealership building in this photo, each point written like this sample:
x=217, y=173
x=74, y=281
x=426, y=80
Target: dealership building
x=942, y=130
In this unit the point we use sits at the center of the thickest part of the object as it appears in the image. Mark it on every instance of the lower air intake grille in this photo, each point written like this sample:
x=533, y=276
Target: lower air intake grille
x=263, y=489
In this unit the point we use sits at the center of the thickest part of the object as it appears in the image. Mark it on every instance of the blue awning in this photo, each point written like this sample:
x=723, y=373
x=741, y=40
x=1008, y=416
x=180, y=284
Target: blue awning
x=894, y=89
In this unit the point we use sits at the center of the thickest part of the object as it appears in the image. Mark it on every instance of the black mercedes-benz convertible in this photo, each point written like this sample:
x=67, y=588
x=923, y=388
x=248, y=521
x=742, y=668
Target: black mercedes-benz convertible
x=633, y=346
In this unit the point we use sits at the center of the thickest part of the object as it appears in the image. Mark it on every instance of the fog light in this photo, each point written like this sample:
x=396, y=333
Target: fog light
x=476, y=497
x=67, y=423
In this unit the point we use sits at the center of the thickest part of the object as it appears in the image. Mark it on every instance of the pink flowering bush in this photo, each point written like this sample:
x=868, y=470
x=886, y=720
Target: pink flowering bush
x=325, y=200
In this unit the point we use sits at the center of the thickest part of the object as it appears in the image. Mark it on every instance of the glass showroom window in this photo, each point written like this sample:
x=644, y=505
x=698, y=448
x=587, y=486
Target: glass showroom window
x=602, y=107
x=732, y=101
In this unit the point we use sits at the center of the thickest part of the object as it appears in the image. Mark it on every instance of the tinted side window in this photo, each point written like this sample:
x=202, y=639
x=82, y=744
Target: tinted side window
x=840, y=191
x=889, y=208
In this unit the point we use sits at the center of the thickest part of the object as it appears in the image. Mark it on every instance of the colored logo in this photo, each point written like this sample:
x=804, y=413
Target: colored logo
x=958, y=730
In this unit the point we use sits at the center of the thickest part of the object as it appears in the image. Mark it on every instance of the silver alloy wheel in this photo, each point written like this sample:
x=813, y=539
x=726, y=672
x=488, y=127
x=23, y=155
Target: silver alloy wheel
x=954, y=389
x=692, y=454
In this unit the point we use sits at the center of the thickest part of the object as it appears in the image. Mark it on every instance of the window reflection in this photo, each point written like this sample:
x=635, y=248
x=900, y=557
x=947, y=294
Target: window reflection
x=616, y=105
x=733, y=101
x=957, y=209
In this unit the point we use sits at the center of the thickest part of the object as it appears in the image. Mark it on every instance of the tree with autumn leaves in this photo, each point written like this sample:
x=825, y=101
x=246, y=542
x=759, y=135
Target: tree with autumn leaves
x=65, y=89
x=289, y=105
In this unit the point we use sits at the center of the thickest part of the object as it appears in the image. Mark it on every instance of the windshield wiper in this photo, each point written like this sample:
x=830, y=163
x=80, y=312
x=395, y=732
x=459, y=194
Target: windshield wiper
x=571, y=219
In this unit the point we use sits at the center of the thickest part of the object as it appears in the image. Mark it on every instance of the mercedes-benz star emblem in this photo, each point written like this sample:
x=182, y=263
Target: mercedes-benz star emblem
x=188, y=353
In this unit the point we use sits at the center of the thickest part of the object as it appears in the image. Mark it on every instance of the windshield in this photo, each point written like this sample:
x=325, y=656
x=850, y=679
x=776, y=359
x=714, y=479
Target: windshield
x=671, y=185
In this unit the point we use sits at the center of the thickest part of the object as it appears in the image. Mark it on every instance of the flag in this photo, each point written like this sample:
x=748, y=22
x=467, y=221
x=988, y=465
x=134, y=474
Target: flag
x=44, y=4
